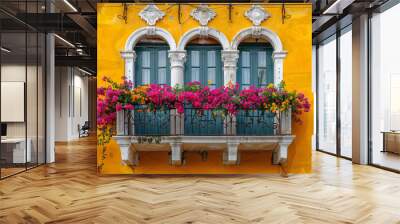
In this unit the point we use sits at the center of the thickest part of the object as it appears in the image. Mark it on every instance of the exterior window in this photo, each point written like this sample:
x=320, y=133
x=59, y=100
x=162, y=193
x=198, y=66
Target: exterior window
x=255, y=69
x=346, y=94
x=255, y=65
x=203, y=65
x=385, y=89
x=152, y=67
x=327, y=96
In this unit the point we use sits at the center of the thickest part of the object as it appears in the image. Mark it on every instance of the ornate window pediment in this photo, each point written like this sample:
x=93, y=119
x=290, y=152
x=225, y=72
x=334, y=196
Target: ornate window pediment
x=257, y=15
x=151, y=14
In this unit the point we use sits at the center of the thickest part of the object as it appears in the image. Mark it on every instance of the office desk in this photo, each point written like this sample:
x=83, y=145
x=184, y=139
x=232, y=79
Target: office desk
x=391, y=142
x=13, y=150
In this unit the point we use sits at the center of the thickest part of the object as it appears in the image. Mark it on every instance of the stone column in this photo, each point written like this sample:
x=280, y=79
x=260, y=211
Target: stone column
x=278, y=57
x=278, y=65
x=230, y=58
x=129, y=58
x=177, y=60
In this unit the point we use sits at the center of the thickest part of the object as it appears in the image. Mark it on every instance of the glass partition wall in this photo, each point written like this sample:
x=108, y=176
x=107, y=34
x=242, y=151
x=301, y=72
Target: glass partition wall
x=22, y=77
x=346, y=71
x=327, y=96
x=385, y=90
x=334, y=94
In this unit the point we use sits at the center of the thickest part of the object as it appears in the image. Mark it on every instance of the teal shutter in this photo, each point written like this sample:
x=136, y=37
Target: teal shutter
x=204, y=65
x=152, y=67
x=255, y=68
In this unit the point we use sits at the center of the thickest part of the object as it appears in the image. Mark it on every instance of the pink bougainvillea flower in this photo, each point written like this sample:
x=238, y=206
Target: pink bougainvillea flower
x=227, y=100
x=118, y=107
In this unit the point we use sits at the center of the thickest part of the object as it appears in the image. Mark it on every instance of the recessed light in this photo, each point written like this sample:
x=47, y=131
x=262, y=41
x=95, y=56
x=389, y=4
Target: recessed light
x=64, y=40
x=84, y=71
x=70, y=5
x=5, y=50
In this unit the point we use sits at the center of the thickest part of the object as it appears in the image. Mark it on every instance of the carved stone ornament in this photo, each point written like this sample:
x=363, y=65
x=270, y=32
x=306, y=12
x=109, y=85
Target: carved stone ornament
x=151, y=31
x=151, y=14
x=204, y=31
x=177, y=58
x=256, y=31
x=203, y=14
x=257, y=15
x=230, y=58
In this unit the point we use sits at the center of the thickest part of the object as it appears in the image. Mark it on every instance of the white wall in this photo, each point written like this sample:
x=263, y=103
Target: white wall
x=71, y=102
x=33, y=126
x=16, y=72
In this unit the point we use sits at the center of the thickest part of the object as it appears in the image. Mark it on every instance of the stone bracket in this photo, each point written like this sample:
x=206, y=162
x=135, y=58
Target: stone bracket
x=176, y=154
x=129, y=156
x=280, y=156
x=130, y=147
x=231, y=154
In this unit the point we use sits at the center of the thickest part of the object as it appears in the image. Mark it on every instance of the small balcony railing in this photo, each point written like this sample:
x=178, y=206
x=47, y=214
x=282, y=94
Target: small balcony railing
x=198, y=122
x=201, y=130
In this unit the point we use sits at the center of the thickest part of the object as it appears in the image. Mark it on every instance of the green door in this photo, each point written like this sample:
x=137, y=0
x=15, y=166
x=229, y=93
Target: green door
x=152, y=67
x=255, y=68
x=203, y=65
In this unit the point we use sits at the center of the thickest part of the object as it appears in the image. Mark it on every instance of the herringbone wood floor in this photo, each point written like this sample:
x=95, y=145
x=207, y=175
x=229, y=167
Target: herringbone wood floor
x=70, y=191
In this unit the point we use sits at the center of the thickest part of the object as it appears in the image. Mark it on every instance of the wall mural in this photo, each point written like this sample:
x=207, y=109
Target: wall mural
x=138, y=133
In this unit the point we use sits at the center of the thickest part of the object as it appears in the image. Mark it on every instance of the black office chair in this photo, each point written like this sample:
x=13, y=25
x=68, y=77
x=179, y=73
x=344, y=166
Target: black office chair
x=84, y=130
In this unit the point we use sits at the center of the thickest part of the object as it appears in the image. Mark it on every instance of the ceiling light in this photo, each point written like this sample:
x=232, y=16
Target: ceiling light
x=70, y=5
x=5, y=50
x=333, y=6
x=337, y=7
x=84, y=71
x=65, y=41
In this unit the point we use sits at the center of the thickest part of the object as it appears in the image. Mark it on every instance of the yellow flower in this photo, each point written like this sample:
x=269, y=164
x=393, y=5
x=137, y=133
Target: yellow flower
x=270, y=86
x=209, y=82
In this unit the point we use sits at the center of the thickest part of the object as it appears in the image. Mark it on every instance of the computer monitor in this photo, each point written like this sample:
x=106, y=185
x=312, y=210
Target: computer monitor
x=3, y=129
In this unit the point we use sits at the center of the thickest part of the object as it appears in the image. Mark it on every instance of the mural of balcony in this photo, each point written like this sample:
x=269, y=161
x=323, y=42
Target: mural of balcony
x=201, y=131
x=193, y=117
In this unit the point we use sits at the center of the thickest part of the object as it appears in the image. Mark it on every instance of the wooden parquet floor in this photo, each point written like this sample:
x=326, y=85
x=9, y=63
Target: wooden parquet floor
x=70, y=191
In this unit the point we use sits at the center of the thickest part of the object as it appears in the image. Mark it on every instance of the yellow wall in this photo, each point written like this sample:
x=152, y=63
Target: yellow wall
x=295, y=34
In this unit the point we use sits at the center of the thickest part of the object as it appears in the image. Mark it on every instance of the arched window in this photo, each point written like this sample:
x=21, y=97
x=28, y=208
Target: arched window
x=255, y=65
x=204, y=65
x=255, y=68
x=152, y=67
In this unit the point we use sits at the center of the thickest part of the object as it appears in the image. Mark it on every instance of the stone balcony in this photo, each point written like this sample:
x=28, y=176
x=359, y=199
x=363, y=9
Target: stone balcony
x=139, y=131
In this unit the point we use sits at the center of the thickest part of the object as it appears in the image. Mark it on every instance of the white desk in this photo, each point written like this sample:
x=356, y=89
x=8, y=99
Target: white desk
x=18, y=149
